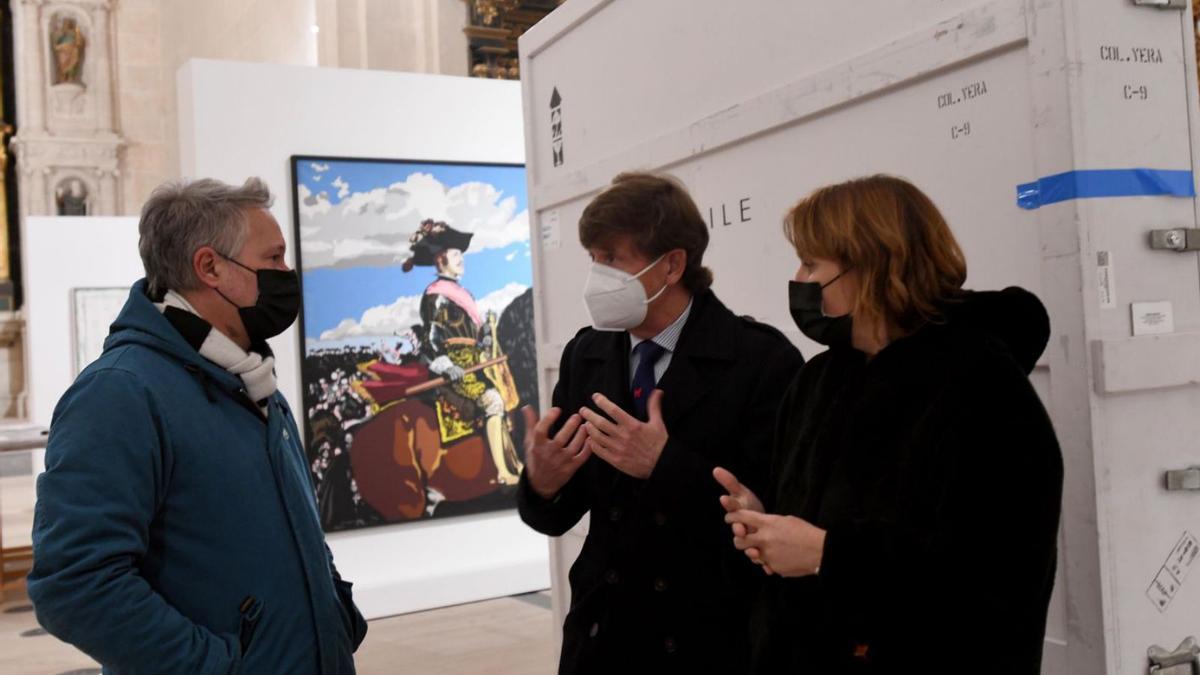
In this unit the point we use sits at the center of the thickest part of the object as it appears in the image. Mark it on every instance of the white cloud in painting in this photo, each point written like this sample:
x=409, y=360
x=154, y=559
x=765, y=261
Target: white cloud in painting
x=342, y=186
x=380, y=320
x=405, y=312
x=510, y=256
x=496, y=301
x=373, y=227
x=319, y=168
x=312, y=205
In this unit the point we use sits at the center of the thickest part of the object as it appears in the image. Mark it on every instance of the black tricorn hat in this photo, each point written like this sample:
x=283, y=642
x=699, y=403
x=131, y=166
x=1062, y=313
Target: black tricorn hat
x=432, y=239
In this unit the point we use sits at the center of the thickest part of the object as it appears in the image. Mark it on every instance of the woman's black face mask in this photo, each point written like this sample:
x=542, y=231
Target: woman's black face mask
x=804, y=301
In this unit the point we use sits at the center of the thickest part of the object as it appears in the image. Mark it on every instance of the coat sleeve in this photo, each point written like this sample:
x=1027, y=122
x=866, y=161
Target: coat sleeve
x=682, y=480
x=992, y=540
x=555, y=516
x=356, y=625
x=106, y=470
x=783, y=436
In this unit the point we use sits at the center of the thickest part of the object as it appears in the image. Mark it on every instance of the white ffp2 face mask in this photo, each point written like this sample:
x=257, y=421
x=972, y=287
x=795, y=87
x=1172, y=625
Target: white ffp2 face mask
x=616, y=300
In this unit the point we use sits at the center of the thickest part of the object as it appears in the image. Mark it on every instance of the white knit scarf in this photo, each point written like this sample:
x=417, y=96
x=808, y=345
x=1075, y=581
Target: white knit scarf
x=257, y=372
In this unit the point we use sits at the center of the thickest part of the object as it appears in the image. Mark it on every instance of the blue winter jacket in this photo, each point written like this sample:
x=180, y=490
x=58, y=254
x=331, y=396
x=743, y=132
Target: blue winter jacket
x=175, y=529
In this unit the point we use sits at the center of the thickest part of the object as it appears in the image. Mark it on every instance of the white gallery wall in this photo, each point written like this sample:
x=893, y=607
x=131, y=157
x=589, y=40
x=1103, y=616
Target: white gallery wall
x=62, y=254
x=240, y=119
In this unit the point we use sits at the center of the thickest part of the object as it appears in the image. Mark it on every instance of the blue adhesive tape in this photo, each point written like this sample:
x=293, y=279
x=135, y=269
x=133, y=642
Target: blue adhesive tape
x=1105, y=183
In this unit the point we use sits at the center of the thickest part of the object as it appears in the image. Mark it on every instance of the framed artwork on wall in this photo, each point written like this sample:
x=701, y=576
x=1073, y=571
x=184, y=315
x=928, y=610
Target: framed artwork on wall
x=418, y=351
x=93, y=311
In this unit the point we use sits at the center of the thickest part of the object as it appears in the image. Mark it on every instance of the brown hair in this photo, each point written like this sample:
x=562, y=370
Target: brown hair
x=658, y=215
x=889, y=232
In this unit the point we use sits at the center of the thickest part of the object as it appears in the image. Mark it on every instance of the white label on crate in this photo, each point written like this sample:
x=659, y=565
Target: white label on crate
x=1162, y=590
x=1171, y=575
x=1180, y=561
x=551, y=234
x=1153, y=318
x=1106, y=280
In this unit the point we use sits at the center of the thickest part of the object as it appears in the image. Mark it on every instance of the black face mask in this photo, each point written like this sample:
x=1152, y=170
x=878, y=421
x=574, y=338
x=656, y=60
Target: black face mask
x=804, y=301
x=277, y=306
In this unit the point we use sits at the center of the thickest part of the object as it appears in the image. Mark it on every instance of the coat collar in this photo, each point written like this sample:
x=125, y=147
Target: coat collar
x=711, y=333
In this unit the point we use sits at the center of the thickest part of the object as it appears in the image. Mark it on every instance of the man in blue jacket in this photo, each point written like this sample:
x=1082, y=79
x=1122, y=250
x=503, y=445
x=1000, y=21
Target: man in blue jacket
x=176, y=529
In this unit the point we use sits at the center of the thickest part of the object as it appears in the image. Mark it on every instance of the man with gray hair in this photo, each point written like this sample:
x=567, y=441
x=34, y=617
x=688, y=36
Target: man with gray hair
x=176, y=529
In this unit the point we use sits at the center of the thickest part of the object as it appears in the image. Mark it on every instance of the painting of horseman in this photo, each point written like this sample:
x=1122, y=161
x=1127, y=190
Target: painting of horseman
x=418, y=347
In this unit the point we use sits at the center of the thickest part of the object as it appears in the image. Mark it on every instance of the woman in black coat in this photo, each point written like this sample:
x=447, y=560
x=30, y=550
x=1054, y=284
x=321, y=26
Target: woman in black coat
x=913, y=522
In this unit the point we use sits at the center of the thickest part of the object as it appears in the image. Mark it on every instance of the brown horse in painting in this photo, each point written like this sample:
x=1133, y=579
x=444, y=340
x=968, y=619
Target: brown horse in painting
x=398, y=454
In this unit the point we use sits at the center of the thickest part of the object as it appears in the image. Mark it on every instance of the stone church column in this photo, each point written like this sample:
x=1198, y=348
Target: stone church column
x=108, y=190
x=38, y=202
x=34, y=120
x=103, y=69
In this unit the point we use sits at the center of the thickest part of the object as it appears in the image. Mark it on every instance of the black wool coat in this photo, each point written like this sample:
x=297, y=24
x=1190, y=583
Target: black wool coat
x=937, y=475
x=658, y=586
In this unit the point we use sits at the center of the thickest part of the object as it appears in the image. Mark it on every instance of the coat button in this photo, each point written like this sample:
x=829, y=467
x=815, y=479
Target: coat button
x=286, y=436
x=612, y=577
x=669, y=645
x=614, y=514
x=595, y=630
x=660, y=518
x=660, y=585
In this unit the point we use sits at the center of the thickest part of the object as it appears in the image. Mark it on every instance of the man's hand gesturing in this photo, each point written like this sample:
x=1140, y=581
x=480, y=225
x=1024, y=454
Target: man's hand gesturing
x=550, y=462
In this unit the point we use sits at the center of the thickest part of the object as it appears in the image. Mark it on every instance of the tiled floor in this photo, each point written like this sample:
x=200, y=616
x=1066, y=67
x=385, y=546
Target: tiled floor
x=507, y=636
x=25, y=650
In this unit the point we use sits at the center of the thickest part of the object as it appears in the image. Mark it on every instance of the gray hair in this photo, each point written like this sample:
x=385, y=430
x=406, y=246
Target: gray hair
x=182, y=216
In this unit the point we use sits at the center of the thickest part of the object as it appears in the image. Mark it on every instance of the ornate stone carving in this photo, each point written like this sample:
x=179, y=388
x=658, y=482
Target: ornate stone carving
x=71, y=197
x=492, y=34
x=68, y=100
x=65, y=93
x=68, y=47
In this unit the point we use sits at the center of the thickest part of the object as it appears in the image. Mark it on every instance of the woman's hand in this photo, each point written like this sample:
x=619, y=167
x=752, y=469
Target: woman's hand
x=739, y=497
x=783, y=545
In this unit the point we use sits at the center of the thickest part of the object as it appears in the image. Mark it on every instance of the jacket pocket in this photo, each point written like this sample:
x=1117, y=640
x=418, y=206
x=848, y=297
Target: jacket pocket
x=251, y=610
x=356, y=626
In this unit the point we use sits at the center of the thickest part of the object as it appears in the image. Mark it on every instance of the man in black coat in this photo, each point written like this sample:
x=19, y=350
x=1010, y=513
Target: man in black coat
x=666, y=385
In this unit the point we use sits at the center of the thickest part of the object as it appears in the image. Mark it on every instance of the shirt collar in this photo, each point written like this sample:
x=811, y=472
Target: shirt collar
x=669, y=337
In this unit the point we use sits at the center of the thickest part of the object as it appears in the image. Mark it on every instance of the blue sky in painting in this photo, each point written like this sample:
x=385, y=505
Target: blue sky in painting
x=368, y=175
x=332, y=295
